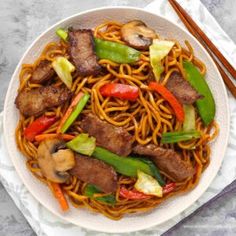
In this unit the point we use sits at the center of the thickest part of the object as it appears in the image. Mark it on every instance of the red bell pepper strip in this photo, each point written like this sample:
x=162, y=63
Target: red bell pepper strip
x=38, y=126
x=168, y=188
x=170, y=98
x=132, y=194
x=122, y=91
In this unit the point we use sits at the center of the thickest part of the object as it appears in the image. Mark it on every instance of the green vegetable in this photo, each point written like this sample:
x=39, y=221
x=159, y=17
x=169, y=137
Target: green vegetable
x=82, y=144
x=115, y=51
x=148, y=185
x=158, y=50
x=205, y=106
x=109, y=50
x=174, y=137
x=79, y=107
x=155, y=171
x=63, y=69
x=189, y=118
x=124, y=165
x=62, y=34
x=90, y=190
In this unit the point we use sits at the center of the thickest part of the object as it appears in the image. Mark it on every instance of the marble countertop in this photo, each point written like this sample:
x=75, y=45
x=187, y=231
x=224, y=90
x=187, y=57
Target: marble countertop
x=21, y=22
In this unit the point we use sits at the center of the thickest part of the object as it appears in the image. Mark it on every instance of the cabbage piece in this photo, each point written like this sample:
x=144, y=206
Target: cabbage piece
x=82, y=144
x=64, y=69
x=62, y=34
x=159, y=50
x=148, y=185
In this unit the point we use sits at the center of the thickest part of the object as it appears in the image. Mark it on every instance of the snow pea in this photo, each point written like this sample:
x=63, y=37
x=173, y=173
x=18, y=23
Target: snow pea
x=206, y=105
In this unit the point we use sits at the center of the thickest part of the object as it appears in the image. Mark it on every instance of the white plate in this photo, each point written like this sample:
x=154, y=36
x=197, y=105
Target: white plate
x=173, y=206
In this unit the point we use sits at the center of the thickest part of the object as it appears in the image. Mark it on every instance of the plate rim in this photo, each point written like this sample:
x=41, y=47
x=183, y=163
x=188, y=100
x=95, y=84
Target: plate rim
x=147, y=225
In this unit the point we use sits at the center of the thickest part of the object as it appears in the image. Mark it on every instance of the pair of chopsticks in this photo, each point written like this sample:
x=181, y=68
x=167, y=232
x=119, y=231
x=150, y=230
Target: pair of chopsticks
x=214, y=52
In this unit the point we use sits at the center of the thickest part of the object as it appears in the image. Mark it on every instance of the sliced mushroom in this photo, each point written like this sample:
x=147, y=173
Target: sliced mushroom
x=54, y=161
x=137, y=34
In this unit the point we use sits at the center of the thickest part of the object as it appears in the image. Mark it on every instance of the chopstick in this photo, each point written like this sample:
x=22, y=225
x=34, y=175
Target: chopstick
x=208, y=45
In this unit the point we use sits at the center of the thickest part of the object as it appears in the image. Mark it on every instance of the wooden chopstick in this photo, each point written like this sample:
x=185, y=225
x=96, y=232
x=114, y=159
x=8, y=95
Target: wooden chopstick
x=185, y=19
x=204, y=37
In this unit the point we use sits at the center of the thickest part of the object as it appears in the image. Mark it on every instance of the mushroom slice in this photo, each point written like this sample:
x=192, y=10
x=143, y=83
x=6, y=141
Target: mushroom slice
x=64, y=160
x=55, y=162
x=137, y=34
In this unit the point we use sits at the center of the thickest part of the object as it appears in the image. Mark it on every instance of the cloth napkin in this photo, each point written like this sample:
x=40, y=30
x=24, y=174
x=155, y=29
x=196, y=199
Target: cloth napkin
x=46, y=224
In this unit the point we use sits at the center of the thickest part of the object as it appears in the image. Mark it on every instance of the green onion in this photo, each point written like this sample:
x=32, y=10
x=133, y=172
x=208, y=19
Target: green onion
x=79, y=107
x=90, y=190
x=154, y=169
x=189, y=118
x=174, y=137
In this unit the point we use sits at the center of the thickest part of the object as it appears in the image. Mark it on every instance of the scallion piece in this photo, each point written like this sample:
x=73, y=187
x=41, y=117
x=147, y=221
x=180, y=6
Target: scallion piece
x=175, y=137
x=79, y=107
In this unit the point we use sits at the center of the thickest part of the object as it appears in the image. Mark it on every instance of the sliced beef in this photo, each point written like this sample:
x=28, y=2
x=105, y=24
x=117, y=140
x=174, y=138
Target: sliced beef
x=182, y=89
x=115, y=139
x=35, y=101
x=167, y=160
x=82, y=52
x=42, y=73
x=95, y=172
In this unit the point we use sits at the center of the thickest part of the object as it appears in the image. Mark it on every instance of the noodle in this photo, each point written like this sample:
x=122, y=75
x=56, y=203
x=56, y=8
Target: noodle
x=145, y=119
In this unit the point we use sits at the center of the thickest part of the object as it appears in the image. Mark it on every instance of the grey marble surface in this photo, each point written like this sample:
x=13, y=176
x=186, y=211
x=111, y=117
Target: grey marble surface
x=22, y=21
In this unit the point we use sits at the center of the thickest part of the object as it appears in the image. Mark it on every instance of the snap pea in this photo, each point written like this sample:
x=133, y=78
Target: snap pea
x=128, y=166
x=116, y=52
x=206, y=105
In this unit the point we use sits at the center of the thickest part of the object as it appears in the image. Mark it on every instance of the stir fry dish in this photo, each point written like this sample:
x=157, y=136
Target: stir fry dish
x=116, y=119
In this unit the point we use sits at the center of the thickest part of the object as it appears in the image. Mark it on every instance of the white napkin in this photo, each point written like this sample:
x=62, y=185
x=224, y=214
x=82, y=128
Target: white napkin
x=46, y=224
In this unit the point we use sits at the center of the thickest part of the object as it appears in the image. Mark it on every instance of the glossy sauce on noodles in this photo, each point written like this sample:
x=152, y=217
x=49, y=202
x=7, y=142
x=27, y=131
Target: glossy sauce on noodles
x=146, y=119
